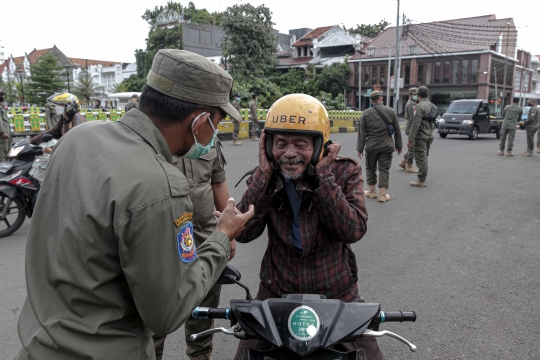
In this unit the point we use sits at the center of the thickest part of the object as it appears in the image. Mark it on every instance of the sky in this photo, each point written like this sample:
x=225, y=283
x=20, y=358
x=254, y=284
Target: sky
x=113, y=29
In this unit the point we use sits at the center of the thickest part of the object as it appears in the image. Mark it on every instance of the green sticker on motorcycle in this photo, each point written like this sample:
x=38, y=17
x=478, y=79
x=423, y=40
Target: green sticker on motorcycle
x=304, y=323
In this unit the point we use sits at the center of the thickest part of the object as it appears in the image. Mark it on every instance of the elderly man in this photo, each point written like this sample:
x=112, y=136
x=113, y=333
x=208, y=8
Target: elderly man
x=312, y=203
x=112, y=256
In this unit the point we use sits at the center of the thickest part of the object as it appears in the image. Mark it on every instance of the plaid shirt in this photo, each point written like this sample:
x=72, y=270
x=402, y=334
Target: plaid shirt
x=333, y=215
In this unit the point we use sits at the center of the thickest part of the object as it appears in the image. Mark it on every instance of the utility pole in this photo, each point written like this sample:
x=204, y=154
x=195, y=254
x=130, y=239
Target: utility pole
x=505, y=61
x=388, y=78
x=396, y=62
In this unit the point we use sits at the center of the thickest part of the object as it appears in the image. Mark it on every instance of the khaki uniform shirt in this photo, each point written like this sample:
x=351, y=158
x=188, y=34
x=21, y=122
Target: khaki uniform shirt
x=253, y=111
x=533, y=119
x=512, y=114
x=236, y=105
x=373, y=133
x=421, y=129
x=131, y=105
x=105, y=260
x=4, y=122
x=409, y=114
x=201, y=174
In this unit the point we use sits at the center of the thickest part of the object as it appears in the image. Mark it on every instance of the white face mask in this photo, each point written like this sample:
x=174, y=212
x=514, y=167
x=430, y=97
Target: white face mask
x=59, y=109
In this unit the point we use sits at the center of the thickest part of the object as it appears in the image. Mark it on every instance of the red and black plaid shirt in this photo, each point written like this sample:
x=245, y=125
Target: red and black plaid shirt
x=332, y=216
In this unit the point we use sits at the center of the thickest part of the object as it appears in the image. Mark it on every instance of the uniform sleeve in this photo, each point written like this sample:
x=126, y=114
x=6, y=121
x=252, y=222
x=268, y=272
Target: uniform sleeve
x=2, y=115
x=218, y=168
x=164, y=287
x=397, y=134
x=362, y=134
x=415, y=125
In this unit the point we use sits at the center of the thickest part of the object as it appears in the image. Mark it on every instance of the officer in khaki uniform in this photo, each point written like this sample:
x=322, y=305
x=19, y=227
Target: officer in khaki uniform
x=511, y=114
x=407, y=161
x=133, y=103
x=236, y=131
x=531, y=127
x=421, y=136
x=254, y=117
x=5, y=129
x=51, y=118
x=207, y=189
x=111, y=257
x=375, y=138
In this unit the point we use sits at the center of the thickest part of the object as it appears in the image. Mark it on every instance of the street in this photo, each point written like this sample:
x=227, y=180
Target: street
x=462, y=253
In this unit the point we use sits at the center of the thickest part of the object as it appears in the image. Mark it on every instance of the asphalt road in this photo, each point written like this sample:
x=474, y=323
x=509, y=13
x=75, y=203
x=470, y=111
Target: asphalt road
x=463, y=253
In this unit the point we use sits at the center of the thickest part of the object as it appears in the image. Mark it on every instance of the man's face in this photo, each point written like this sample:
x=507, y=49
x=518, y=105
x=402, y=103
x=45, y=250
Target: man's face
x=292, y=154
x=135, y=99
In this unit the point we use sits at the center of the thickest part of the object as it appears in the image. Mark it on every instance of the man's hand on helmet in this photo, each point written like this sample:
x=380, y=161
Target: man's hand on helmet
x=328, y=160
x=264, y=163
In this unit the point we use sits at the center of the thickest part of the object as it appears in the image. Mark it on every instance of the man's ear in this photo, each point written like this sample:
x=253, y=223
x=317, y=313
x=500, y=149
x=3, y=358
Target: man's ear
x=201, y=120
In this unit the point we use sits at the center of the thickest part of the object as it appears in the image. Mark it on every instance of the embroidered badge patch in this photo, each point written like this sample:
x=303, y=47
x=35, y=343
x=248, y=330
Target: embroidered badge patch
x=186, y=244
x=186, y=217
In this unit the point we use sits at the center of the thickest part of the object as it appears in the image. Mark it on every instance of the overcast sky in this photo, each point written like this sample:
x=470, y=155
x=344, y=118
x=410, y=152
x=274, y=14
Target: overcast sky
x=113, y=29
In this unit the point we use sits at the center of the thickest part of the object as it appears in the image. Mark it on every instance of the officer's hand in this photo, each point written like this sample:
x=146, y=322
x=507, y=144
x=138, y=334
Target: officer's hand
x=360, y=154
x=231, y=221
x=233, y=250
x=333, y=151
x=47, y=149
x=264, y=163
x=409, y=145
x=399, y=151
x=5, y=135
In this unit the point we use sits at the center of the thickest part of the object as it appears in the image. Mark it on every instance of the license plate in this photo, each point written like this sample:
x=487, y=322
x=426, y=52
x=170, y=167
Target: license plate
x=451, y=131
x=5, y=167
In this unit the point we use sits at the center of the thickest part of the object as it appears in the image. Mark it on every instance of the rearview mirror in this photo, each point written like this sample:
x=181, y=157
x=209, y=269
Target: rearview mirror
x=46, y=138
x=230, y=275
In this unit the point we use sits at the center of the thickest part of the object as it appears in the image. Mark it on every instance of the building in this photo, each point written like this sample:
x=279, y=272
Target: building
x=457, y=59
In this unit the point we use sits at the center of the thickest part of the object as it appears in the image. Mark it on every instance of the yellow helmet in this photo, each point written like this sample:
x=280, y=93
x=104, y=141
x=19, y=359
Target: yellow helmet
x=299, y=114
x=70, y=100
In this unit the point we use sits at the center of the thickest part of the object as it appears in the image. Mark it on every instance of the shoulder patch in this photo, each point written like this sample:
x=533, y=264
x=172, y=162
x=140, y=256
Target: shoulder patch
x=187, y=250
x=182, y=219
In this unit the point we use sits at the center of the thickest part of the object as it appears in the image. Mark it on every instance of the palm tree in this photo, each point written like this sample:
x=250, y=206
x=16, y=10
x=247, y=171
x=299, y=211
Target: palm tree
x=118, y=88
x=85, y=88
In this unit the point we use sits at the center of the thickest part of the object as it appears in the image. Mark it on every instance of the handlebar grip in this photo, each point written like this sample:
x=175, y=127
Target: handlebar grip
x=397, y=316
x=204, y=313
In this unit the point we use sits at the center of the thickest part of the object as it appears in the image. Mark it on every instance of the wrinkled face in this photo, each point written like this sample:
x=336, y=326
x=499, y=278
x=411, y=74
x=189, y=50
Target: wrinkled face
x=292, y=154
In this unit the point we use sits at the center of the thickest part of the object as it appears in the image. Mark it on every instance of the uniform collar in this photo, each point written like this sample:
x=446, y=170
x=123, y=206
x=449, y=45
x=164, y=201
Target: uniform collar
x=142, y=125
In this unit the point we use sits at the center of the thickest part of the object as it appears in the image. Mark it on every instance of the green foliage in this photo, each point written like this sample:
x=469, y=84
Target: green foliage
x=337, y=103
x=44, y=80
x=9, y=88
x=249, y=44
x=85, y=88
x=292, y=82
x=118, y=88
x=267, y=91
x=332, y=79
x=133, y=83
x=370, y=30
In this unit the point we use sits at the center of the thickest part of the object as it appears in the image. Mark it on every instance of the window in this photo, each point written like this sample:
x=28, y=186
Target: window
x=437, y=72
x=413, y=49
x=474, y=71
x=383, y=76
x=464, y=71
x=371, y=50
x=455, y=72
x=374, y=75
x=420, y=80
x=517, y=81
x=526, y=82
x=446, y=72
x=428, y=73
x=367, y=75
x=407, y=73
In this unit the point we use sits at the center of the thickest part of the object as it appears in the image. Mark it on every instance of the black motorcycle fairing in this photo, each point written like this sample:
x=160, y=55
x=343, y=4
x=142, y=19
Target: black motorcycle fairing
x=12, y=192
x=285, y=354
x=268, y=320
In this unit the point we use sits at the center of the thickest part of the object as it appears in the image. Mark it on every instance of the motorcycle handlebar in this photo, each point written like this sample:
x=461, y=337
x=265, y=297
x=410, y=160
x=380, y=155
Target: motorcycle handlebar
x=203, y=313
x=386, y=316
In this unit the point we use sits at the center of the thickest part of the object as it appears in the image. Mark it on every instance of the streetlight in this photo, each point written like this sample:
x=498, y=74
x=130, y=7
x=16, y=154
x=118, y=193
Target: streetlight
x=67, y=73
x=21, y=72
x=358, y=48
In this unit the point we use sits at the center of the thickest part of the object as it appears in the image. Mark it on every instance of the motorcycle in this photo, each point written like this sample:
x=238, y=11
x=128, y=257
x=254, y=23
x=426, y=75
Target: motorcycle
x=20, y=182
x=300, y=326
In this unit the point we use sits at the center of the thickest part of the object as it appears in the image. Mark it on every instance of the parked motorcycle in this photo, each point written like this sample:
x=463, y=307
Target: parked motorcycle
x=303, y=326
x=20, y=183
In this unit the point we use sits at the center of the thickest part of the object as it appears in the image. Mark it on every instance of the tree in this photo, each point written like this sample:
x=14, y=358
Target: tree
x=370, y=30
x=333, y=78
x=9, y=88
x=134, y=83
x=43, y=80
x=249, y=44
x=292, y=82
x=118, y=88
x=85, y=88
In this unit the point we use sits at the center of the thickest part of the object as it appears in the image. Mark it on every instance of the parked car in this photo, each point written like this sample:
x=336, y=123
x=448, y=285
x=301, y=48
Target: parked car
x=470, y=118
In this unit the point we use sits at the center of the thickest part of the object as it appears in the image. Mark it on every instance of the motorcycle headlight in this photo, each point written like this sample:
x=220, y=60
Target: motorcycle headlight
x=467, y=122
x=11, y=176
x=15, y=151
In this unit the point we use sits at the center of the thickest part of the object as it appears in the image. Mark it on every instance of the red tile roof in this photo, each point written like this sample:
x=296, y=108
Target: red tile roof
x=312, y=35
x=35, y=55
x=83, y=62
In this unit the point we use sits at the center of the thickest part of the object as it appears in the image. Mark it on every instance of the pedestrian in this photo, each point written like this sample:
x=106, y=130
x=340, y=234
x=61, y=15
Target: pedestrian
x=5, y=129
x=377, y=126
x=51, y=118
x=407, y=161
x=254, y=117
x=531, y=127
x=310, y=201
x=511, y=114
x=236, y=131
x=207, y=190
x=111, y=257
x=133, y=103
x=421, y=135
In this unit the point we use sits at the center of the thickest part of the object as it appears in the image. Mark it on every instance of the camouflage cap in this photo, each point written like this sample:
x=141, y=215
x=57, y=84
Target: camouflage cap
x=375, y=93
x=413, y=91
x=423, y=91
x=190, y=77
